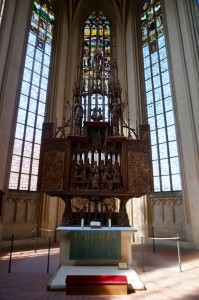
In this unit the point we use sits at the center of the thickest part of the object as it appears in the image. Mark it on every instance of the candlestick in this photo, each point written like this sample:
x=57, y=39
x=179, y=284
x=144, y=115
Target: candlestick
x=82, y=223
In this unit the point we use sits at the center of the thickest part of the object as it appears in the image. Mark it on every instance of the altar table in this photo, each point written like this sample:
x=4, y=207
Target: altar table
x=104, y=238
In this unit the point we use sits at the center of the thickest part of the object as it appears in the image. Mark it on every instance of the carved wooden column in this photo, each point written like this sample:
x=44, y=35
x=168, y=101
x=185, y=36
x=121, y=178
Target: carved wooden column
x=67, y=215
x=123, y=219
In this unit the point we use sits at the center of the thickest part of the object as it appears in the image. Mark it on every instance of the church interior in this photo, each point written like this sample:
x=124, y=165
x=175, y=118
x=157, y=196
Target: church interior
x=99, y=126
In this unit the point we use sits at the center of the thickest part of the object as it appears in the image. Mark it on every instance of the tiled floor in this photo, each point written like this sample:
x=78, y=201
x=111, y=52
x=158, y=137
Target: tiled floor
x=28, y=278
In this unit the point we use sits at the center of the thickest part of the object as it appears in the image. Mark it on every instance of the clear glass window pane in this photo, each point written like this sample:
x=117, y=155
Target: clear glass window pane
x=19, y=131
x=162, y=135
x=37, y=67
x=155, y=69
x=25, y=88
x=175, y=169
x=32, y=39
x=13, y=183
x=41, y=108
x=154, y=152
x=173, y=150
x=29, y=134
x=156, y=168
x=165, y=77
x=156, y=81
x=17, y=147
x=164, y=167
x=147, y=73
x=40, y=121
x=171, y=132
x=158, y=94
x=164, y=65
x=170, y=118
x=24, y=182
x=153, y=138
x=33, y=105
x=21, y=116
x=168, y=104
x=26, y=165
x=166, y=90
x=159, y=107
x=176, y=182
x=38, y=53
x=148, y=84
x=27, y=149
x=156, y=181
x=163, y=150
x=151, y=122
x=36, y=151
x=35, y=166
x=27, y=75
x=150, y=110
x=31, y=119
x=160, y=121
x=149, y=97
x=33, y=183
x=166, y=186
x=23, y=101
x=38, y=134
x=15, y=163
x=30, y=50
x=34, y=92
x=29, y=62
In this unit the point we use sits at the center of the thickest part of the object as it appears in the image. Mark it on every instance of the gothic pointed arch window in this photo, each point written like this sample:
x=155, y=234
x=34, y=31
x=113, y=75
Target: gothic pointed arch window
x=160, y=109
x=33, y=95
x=96, y=67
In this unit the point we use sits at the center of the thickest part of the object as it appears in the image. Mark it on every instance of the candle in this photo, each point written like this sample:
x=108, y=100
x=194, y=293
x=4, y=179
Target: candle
x=109, y=223
x=82, y=223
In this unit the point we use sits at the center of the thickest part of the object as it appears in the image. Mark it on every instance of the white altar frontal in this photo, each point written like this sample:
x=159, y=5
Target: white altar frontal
x=80, y=246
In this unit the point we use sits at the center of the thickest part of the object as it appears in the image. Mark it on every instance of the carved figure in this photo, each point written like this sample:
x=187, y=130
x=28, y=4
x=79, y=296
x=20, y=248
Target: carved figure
x=78, y=113
x=97, y=114
x=96, y=181
x=87, y=173
x=94, y=114
x=116, y=175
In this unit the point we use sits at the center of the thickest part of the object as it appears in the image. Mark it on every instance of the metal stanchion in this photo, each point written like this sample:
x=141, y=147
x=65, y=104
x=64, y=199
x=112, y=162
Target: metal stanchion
x=36, y=236
x=48, y=255
x=11, y=249
x=153, y=240
x=178, y=247
x=142, y=255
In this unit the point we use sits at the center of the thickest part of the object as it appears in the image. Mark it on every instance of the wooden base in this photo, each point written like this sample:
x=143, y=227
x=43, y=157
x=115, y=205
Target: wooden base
x=102, y=289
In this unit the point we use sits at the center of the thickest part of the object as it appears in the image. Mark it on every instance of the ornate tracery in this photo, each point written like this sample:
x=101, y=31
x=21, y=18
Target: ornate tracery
x=96, y=161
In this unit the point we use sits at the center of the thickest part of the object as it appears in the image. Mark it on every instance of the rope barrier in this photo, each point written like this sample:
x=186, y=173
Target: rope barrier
x=177, y=239
x=35, y=238
x=169, y=238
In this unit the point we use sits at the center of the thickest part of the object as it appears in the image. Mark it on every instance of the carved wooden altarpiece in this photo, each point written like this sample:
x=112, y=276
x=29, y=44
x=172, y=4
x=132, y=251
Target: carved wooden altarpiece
x=102, y=161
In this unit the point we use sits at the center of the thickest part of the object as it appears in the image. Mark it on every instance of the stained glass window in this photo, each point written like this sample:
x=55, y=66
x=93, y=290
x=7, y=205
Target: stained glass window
x=166, y=170
x=31, y=111
x=96, y=65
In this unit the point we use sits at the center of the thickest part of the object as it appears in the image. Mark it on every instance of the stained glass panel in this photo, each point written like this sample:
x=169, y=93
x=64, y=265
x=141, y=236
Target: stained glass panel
x=96, y=64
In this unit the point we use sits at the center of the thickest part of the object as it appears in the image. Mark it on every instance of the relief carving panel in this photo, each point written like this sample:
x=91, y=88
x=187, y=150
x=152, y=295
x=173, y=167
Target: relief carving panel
x=139, y=172
x=53, y=171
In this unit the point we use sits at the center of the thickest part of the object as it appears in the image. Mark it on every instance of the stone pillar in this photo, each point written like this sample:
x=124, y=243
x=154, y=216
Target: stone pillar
x=183, y=44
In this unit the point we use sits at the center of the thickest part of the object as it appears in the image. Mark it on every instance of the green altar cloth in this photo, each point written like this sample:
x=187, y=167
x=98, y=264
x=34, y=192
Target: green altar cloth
x=95, y=244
